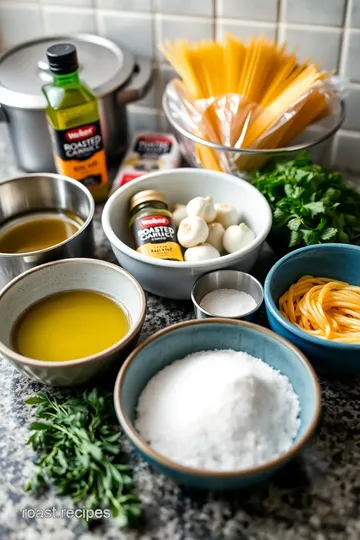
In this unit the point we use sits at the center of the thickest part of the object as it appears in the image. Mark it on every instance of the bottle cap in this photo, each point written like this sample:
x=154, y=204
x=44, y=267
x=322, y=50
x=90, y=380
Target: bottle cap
x=147, y=195
x=62, y=58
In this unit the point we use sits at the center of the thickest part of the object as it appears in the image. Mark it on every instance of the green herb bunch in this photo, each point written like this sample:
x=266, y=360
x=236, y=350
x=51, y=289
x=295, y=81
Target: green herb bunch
x=81, y=454
x=310, y=205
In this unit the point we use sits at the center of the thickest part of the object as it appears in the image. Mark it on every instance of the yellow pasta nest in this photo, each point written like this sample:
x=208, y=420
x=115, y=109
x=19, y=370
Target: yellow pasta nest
x=324, y=307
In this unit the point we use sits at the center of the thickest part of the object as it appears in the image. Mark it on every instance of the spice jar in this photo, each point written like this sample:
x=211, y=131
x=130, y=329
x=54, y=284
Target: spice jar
x=152, y=227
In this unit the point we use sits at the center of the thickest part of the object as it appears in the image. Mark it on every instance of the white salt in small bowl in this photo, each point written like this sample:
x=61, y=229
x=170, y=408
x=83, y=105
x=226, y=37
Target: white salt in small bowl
x=225, y=293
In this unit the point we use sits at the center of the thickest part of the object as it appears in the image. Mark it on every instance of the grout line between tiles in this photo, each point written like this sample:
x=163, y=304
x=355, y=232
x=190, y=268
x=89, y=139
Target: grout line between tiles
x=248, y=22
x=214, y=11
x=354, y=85
x=154, y=33
x=345, y=39
x=334, y=149
x=185, y=17
x=143, y=109
x=99, y=23
x=350, y=133
x=280, y=26
x=42, y=14
x=319, y=27
x=281, y=13
x=68, y=9
x=132, y=14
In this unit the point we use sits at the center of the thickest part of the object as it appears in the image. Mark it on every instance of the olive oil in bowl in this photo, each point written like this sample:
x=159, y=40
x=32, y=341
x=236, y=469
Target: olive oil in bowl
x=69, y=325
x=38, y=230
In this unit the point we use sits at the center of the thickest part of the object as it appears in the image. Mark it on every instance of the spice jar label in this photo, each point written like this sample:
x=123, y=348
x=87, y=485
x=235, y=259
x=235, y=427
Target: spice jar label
x=155, y=236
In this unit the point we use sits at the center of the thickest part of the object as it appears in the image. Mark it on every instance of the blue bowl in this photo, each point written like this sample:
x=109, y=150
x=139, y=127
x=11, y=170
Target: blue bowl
x=337, y=261
x=188, y=337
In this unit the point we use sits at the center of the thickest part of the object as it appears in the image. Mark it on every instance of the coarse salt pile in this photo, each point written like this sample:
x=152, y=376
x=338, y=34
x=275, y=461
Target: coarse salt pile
x=219, y=410
x=228, y=302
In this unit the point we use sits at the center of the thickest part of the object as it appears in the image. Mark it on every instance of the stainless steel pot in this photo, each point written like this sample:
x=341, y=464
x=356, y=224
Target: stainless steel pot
x=35, y=192
x=116, y=77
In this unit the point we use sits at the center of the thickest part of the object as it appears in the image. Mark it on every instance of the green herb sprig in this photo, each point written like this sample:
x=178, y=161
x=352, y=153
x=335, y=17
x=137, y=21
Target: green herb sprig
x=81, y=454
x=310, y=204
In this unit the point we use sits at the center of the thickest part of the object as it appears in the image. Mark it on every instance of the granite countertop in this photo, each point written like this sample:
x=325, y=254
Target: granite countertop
x=316, y=497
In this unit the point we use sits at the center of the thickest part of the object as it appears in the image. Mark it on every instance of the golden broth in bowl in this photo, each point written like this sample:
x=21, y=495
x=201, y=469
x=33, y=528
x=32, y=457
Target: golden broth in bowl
x=69, y=325
x=38, y=230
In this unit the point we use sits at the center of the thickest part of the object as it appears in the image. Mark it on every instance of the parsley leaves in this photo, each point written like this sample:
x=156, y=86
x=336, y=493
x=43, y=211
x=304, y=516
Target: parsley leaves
x=310, y=205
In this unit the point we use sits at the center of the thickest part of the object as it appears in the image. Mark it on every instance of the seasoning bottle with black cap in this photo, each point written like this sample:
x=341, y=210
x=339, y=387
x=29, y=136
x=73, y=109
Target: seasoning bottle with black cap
x=74, y=122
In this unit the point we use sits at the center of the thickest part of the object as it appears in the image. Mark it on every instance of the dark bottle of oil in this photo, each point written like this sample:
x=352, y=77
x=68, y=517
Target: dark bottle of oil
x=74, y=122
x=152, y=228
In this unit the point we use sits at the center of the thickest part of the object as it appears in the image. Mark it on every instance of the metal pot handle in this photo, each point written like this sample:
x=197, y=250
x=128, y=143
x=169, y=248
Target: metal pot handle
x=138, y=84
x=3, y=115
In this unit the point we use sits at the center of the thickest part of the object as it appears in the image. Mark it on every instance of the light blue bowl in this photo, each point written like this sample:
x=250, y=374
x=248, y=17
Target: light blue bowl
x=337, y=261
x=188, y=337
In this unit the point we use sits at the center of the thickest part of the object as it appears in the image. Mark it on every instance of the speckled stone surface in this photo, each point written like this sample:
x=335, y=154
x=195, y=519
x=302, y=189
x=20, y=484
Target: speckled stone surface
x=317, y=497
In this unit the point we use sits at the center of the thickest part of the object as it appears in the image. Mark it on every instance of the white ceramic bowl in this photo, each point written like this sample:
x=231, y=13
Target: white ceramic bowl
x=174, y=279
x=65, y=275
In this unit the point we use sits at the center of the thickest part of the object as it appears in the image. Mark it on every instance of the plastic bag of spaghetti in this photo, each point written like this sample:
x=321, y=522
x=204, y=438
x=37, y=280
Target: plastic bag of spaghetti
x=231, y=133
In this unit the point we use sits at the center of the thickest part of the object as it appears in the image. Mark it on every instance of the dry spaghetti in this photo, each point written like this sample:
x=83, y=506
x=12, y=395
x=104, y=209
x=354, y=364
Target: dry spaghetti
x=324, y=307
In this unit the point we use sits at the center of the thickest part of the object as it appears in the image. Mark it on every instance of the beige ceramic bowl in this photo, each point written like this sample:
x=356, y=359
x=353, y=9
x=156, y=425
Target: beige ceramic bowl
x=175, y=279
x=71, y=274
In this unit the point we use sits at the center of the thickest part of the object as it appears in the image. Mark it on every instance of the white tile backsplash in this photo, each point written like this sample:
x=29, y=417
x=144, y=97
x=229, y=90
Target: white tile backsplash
x=153, y=97
x=166, y=74
x=143, y=119
x=77, y=3
x=244, y=30
x=352, y=65
x=73, y=19
x=170, y=27
x=322, y=12
x=352, y=120
x=253, y=10
x=185, y=7
x=19, y=22
x=326, y=30
x=354, y=20
x=132, y=30
x=346, y=154
x=320, y=44
x=126, y=5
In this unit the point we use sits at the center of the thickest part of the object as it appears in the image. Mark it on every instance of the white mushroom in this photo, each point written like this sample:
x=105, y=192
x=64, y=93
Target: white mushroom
x=216, y=233
x=226, y=215
x=179, y=213
x=237, y=237
x=192, y=231
x=202, y=207
x=201, y=253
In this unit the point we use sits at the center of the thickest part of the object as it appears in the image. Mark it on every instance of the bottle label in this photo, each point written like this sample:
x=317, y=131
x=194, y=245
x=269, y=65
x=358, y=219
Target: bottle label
x=155, y=236
x=153, y=146
x=80, y=154
x=148, y=152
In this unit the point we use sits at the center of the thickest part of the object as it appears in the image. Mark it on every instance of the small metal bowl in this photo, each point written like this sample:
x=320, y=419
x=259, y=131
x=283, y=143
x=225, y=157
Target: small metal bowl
x=226, y=279
x=45, y=191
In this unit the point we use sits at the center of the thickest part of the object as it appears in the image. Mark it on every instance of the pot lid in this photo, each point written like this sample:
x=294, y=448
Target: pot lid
x=103, y=66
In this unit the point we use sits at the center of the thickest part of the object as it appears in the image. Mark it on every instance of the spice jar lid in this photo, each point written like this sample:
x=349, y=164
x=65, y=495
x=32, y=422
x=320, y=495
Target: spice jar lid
x=147, y=195
x=103, y=66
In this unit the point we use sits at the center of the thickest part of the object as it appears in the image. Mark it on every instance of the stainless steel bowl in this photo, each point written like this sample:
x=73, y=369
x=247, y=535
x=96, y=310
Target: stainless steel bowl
x=36, y=192
x=226, y=279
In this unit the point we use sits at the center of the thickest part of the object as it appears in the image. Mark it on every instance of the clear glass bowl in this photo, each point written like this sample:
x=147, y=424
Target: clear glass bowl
x=315, y=139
